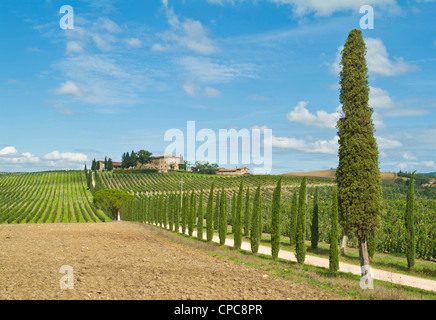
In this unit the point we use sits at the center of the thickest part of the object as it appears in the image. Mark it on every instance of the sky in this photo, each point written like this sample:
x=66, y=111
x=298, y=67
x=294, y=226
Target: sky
x=129, y=71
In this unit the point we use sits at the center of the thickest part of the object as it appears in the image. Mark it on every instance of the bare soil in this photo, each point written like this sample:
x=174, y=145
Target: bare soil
x=127, y=261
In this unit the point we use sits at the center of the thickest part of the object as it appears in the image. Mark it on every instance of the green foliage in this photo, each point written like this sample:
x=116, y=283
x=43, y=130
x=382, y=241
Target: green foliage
x=334, y=234
x=300, y=247
x=223, y=218
x=192, y=214
x=209, y=215
x=247, y=214
x=275, y=221
x=314, y=234
x=358, y=174
x=238, y=218
x=410, y=224
x=200, y=218
x=111, y=200
x=255, y=234
x=293, y=219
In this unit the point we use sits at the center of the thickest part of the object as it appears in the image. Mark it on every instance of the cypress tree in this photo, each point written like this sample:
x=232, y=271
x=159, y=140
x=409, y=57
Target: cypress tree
x=300, y=248
x=216, y=217
x=409, y=223
x=314, y=228
x=165, y=213
x=209, y=215
x=223, y=218
x=358, y=174
x=247, y=214
x=200, y=218
x=233, y=211
x=255, y=235
x=238, y=218
x=191, y=214
x=105, y=164
x=334, y=234
x=185, y=210
x=177, y=213
x=275, y=221
x=294, y=219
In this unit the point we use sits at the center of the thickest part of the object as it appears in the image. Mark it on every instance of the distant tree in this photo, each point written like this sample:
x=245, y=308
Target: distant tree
x=314, y=228
x=209, y=215
x=93, y=166
x=144, y=157
x=111, y=200
x=334, y=234
x=358, y=173
x=275, y=221
x=105, y=164
x=110, y=165
x=223, y=218
x=294, y=219
x=255, y=234
x=133, y=159
x=409, y=223
x=97, y=166
x=300, y=247
x=124, y=161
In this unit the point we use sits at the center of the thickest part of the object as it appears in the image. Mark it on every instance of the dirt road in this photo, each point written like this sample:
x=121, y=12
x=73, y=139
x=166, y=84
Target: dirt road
x=126, y=261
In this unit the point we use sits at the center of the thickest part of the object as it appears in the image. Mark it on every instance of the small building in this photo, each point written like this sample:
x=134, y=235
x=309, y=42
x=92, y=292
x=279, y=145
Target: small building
x=243, y=171
x=163, y=164
x=117, y=165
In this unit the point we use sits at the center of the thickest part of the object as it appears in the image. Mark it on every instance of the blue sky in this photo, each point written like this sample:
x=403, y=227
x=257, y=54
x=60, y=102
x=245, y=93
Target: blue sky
x=131, y=70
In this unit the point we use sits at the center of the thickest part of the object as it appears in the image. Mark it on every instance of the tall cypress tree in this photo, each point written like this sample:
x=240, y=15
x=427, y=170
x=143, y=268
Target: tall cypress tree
x=255, y=235
x=216, y=214
x=247, y=213
x=223, y=218
x=300, y=247
x=200, y=217
x=334, y=234
x=294, y=219
x=314, y=228
x=233, y=211
x=192, y=214
x=177, y=213
x=238, y=218
x=209, y=215
x=409, y=223
x=275, y=221
x=358, y=174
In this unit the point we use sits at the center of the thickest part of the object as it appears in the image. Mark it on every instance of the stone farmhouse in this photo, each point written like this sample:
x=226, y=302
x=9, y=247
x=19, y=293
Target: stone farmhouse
x=163, y=164
x=243, y=171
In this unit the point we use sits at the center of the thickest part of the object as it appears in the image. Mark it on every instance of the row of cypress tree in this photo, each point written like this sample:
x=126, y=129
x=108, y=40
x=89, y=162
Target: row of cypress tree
x=186, y=213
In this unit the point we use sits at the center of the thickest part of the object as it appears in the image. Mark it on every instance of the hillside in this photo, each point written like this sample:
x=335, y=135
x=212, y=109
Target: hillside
x=330, y=174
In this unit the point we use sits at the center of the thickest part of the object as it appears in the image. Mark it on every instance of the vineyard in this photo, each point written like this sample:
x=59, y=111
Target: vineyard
x=47, y=197
x=67, y=197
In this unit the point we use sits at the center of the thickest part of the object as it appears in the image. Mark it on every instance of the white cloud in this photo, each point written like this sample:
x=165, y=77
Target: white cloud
x=69, y=88
x=324, y=8
x=212, y=92
x=204, y=70
x=408, y=156
x=190, y=34
x=429, y=164
x=133, y=42
x=319, y=146
x=322, y=119
x=68, y=156
x=190, y=89
x=378, y=60
x=386, y=143
x=379, y=98
x=73, y=47
x=8, y=150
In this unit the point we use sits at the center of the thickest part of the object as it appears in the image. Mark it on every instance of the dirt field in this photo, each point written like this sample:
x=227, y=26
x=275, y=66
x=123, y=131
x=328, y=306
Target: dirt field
x=129, y=262
x=331, y=174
